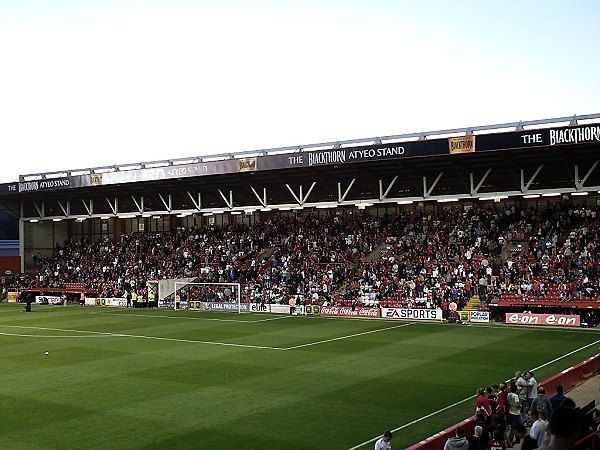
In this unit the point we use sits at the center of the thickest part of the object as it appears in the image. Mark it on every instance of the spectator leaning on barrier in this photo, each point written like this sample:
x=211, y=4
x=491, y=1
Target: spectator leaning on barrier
x=532, y=388
x=483, y=404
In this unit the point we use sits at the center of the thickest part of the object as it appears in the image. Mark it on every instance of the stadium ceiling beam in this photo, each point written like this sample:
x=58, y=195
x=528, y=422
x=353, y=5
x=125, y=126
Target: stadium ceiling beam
x=300, y=198
x=427, y=192
x=228, y=202
x=41, y=209
x=90, y=208
x=525, y=186
x=168, y=204
x=66, y=209
x=11, y=209
x=342, y=197
x=475, y=189
x=140, y=205
x=383, y=195
x=198, y=203
x=580, y=182
x=263, y=200
x=114, y=207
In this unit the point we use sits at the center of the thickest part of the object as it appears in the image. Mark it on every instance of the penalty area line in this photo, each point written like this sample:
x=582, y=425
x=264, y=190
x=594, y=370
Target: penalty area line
x=420, y=419
x=157, y=338
x=46, y=336
x=346, y=337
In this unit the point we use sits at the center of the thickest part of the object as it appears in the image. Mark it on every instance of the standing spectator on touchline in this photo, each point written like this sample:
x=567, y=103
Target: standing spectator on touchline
x=514, y=409
x=542, y=403
x=483, y=404
x=522, y=390
x=384, y=441
x=532, y=388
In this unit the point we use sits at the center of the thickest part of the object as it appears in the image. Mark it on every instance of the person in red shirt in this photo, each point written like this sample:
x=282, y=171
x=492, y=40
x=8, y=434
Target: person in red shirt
x=497, y=442
x=483, y=404
x=501, y=403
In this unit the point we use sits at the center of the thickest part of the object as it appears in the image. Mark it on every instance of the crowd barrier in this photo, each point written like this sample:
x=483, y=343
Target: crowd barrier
x=568, y=378
x=590, y=442
x=573, y=376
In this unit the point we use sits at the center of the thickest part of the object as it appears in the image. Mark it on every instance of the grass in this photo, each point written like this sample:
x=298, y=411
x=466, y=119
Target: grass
x=157, y=379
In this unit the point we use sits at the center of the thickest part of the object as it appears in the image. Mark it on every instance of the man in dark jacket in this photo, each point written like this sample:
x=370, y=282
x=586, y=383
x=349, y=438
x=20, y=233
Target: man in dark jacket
x=28, y=300
x=557, y=398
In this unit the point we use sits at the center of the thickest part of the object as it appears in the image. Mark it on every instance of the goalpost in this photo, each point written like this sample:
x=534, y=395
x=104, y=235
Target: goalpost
x=225, y=297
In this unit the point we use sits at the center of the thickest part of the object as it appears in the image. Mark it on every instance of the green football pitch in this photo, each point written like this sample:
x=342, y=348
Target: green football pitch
x=126, y=379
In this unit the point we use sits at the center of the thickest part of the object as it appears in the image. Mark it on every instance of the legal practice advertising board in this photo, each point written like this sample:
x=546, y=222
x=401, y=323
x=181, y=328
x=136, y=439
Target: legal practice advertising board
x=549, y=137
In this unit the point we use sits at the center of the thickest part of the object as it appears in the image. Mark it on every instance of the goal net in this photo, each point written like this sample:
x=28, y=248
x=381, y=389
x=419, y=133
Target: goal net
x=225, y=297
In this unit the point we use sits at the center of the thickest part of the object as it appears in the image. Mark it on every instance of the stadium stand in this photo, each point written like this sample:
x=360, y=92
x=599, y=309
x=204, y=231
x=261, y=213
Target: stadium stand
x=410, y=259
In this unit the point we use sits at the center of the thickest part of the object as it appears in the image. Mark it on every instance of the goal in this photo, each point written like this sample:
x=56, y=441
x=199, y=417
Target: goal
x=225, y=297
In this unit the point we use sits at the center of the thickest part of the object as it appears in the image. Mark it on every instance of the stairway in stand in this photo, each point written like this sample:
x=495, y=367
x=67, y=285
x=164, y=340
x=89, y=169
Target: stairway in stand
x=473, y=305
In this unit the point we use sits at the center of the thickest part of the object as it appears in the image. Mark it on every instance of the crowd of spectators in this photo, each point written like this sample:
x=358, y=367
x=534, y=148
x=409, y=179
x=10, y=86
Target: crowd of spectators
x=410, y=259
x=520, y=412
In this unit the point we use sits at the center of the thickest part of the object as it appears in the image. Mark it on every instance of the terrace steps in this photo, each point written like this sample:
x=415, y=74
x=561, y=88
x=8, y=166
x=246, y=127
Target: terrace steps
x=473, y=305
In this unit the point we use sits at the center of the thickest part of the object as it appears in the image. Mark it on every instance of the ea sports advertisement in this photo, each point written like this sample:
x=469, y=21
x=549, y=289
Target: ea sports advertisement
x=411, y=314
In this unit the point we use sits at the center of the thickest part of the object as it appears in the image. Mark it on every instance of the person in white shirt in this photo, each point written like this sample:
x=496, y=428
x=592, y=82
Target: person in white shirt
x=384, y=441
x=532, y=388
x=538, y=427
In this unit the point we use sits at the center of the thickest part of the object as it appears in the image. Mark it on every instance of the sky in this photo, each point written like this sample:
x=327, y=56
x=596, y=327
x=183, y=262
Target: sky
x=95, y=83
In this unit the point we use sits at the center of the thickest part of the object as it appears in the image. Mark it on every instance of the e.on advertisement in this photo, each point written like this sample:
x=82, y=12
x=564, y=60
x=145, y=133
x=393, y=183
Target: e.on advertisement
x=549, y=320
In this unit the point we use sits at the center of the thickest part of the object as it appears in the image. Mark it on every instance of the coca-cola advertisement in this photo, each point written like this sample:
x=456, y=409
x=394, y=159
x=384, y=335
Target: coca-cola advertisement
x=347, y=311
x=549, y=320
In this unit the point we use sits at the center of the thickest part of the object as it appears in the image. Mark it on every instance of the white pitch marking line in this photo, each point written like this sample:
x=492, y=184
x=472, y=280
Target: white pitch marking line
x=269, y=319
x=509, y=326
x=48, y=336
x=346, y=337
x=188, y=318
x=229, y=344
x=158, y=338
x=465, y=399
